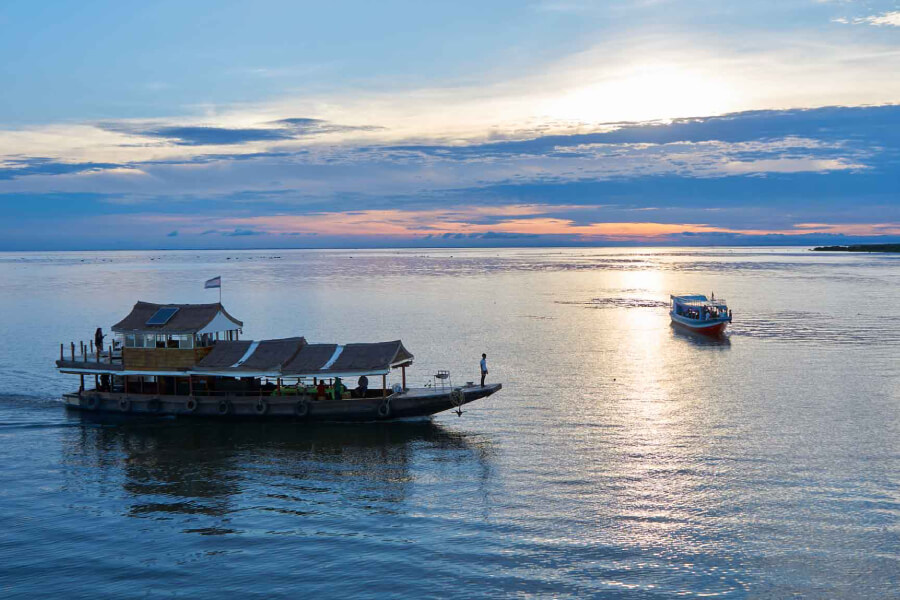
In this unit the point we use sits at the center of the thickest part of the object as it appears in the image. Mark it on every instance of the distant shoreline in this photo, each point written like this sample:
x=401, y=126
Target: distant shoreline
x=860, y=248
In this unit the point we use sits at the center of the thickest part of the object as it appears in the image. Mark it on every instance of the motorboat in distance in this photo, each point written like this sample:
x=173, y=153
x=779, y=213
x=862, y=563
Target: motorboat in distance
x=699, y=314
x=187, y=360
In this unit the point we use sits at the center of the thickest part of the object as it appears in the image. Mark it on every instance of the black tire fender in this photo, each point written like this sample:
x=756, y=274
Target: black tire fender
x=384, y=409
x=301, y=408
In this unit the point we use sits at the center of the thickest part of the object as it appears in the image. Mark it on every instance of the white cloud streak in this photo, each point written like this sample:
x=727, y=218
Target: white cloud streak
x=888, y=19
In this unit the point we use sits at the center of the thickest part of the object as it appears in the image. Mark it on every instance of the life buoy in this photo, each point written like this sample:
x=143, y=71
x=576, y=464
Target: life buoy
x=191, y=405
x=124, y=404
x=224, y=407
x=384, y=409
x=301, y=408
x=154, y=405
x=261, y=407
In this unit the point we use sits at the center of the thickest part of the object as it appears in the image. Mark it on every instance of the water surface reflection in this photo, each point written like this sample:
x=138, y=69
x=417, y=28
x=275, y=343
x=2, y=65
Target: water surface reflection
x=168, y=468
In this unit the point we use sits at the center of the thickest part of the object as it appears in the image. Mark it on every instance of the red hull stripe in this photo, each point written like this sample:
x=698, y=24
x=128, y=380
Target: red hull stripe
x=716, y=329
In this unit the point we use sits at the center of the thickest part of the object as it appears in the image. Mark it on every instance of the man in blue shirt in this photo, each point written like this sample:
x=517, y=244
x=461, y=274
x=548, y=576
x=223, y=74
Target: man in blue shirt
x=484, y=370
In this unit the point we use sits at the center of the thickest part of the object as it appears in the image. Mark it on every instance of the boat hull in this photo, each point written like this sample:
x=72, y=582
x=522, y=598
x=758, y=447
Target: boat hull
x=710, y=328
x=410, y=404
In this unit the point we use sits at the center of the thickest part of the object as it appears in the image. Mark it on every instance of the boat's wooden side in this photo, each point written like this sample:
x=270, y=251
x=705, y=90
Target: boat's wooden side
x=711, y=327
x=411, y=403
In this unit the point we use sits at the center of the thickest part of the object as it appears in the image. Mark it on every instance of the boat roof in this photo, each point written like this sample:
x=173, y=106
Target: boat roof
x=294, y=357
x=288, y=357
x=698, y=300
x=175, y=318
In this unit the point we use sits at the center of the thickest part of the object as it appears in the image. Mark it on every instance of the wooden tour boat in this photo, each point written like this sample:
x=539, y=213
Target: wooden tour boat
x=189, y=360
x=697, y=313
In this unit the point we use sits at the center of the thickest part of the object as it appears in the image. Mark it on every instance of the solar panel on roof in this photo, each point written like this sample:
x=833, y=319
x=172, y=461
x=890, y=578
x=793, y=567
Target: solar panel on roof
x=162, y=316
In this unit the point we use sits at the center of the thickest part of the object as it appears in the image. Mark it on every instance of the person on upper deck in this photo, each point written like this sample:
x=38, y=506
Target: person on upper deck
x=98, y=339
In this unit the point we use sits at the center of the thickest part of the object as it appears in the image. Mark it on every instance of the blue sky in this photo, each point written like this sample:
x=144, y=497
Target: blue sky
x=274, y=124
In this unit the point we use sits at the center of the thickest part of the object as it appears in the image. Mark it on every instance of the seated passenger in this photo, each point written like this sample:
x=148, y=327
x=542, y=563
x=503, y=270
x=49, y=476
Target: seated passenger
x=362, y=386
x=320, y=391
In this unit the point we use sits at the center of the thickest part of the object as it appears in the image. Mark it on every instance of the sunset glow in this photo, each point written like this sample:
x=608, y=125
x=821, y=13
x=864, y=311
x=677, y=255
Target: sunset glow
x=576, y=123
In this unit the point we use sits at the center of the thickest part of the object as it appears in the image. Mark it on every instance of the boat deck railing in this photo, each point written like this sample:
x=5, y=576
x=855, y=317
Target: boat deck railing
x=84, y=353
x=118, y=391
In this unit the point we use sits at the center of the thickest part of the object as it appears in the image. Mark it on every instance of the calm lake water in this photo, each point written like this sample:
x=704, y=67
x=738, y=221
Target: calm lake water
x=622, y=458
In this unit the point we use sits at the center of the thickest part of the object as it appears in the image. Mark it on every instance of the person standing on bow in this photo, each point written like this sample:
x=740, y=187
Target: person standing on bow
x=484, y=369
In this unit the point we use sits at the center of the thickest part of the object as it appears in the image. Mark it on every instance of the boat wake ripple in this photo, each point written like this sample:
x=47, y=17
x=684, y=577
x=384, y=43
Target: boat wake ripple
x=811, y=327
x=618, y=303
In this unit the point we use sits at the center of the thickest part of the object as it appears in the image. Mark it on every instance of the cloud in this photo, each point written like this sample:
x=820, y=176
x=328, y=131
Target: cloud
x=238, y=232
x=888, y=19
x=308, y=126
x=208, y=135
x=21, y=167
x=728, y=173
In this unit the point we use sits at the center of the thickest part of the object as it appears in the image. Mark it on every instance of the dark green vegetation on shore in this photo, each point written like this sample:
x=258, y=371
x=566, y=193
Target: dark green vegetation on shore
x=860, y=248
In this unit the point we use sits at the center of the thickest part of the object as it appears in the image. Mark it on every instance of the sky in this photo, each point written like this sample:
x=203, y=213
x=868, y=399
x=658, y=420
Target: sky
x=278, y=124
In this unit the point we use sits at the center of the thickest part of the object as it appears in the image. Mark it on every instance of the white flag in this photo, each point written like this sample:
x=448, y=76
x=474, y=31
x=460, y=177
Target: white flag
x=215, y=282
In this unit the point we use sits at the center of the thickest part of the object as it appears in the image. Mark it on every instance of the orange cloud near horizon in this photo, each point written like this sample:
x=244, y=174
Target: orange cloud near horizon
x=514, y=219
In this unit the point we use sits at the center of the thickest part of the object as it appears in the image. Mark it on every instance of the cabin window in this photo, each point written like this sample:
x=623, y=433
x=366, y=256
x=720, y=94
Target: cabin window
x=129, y=340
x=185, y=341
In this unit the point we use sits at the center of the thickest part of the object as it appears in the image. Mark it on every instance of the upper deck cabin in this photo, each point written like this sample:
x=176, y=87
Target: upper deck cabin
x=172, y=336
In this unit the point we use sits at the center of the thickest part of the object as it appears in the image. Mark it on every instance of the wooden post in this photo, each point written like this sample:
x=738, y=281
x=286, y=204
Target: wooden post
x=61, y=350
x=81, y=389
x=73, y=350
x=80, y=348
x=403, y=373
x=384, y=386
